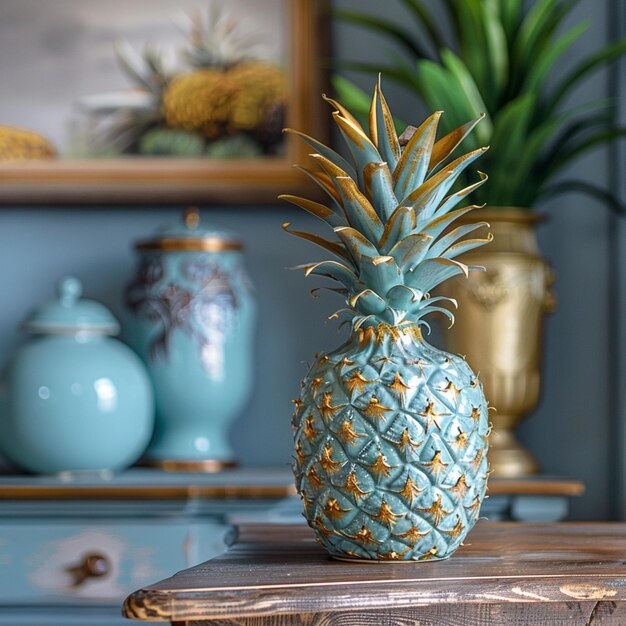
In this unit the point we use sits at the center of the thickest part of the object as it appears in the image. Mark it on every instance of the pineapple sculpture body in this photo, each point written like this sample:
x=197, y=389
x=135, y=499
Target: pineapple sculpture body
x=390, y=432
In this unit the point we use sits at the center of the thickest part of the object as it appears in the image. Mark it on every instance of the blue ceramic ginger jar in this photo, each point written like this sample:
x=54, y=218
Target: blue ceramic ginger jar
x=191, y=317
x=73, y=398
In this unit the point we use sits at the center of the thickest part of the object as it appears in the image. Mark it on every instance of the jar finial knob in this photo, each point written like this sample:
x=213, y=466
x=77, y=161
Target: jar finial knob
x=192, y=217
x=69, y=290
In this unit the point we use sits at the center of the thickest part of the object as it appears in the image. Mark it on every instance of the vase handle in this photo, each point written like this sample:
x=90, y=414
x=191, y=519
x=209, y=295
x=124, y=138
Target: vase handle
x=550, y=300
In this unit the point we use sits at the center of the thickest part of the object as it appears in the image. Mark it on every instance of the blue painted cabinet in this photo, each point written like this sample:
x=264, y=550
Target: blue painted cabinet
x=72, y=549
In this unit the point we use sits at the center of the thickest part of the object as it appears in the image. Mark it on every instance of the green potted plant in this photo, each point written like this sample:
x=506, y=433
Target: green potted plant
x=501, y=60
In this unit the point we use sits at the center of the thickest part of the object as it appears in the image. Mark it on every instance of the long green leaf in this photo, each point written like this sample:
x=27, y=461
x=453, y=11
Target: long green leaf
x=389, y=71
x=583, y=70
x=426, y=19
x=474, y=102
x=538, y=26
x=583, y=146
x=510, y=16
x=453, y=16
x=572, y=132
x=511, y=127
x=540, y=70
x=473, y=45
x=605, y=196
x=443, y=93
x=541, y=147
x=384, y=27
x=497, y=51
x=527, y=162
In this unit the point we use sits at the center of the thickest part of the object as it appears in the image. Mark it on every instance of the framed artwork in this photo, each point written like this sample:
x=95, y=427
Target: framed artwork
x=158, y=101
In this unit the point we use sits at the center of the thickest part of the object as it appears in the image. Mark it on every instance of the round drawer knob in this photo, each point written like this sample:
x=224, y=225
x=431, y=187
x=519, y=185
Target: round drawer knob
x=93, y=565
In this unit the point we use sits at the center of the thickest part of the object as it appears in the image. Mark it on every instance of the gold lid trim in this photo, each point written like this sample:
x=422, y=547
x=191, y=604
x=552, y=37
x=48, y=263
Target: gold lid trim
x=207, y=466
x=190, y=244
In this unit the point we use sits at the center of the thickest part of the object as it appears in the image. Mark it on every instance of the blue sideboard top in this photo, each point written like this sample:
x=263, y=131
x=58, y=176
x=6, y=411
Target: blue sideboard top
x=144, y=491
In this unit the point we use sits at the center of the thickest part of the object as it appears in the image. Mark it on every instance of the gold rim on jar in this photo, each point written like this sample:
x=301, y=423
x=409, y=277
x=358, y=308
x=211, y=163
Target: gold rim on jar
x=190, y=244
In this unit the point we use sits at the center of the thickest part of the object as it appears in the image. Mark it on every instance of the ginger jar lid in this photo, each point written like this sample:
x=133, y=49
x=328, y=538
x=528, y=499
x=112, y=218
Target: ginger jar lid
x=68, y=313
x=191, y=236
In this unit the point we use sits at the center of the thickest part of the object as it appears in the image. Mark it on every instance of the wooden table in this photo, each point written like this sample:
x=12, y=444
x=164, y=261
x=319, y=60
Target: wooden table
x=508, y=574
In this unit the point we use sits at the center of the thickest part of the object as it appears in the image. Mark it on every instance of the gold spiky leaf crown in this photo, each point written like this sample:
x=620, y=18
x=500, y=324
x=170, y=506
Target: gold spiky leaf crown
x=391, y=209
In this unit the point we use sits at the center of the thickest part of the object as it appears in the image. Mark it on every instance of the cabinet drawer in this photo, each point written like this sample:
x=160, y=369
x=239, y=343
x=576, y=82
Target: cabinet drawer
x=90, y=563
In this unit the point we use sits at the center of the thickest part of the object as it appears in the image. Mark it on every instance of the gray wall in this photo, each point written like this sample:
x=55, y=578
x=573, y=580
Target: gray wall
x=570, y=432
x=617, y=312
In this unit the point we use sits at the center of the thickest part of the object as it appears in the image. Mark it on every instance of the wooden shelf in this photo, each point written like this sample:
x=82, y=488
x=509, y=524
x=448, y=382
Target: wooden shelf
x=536, y=486
x=152, y=484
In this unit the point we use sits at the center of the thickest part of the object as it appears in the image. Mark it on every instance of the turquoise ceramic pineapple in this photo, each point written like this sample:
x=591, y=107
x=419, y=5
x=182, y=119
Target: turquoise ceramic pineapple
x=390, y=432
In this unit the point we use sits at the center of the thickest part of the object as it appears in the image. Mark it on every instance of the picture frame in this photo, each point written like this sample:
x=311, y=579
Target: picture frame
x=166, y=180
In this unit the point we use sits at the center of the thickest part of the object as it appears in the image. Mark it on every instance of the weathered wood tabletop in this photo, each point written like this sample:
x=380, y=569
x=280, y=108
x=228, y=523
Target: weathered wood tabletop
x=507, y=574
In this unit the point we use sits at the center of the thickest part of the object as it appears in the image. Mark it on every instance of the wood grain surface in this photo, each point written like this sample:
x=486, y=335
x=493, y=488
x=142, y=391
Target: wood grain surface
x=280, y=570
x=554, y=614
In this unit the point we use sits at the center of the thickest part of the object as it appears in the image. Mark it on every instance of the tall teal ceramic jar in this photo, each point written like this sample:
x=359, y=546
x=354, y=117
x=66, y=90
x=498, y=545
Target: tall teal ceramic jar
x=191, y=317
x=73, y=398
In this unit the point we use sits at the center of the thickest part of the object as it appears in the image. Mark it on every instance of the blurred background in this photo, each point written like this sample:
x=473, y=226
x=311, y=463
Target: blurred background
x=576, y=431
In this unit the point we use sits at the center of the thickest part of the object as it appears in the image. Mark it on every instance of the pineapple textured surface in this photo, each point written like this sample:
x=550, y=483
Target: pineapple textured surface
x=390, y=433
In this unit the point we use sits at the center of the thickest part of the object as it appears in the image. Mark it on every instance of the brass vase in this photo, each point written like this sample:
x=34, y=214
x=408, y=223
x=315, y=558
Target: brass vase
x=501, y=329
